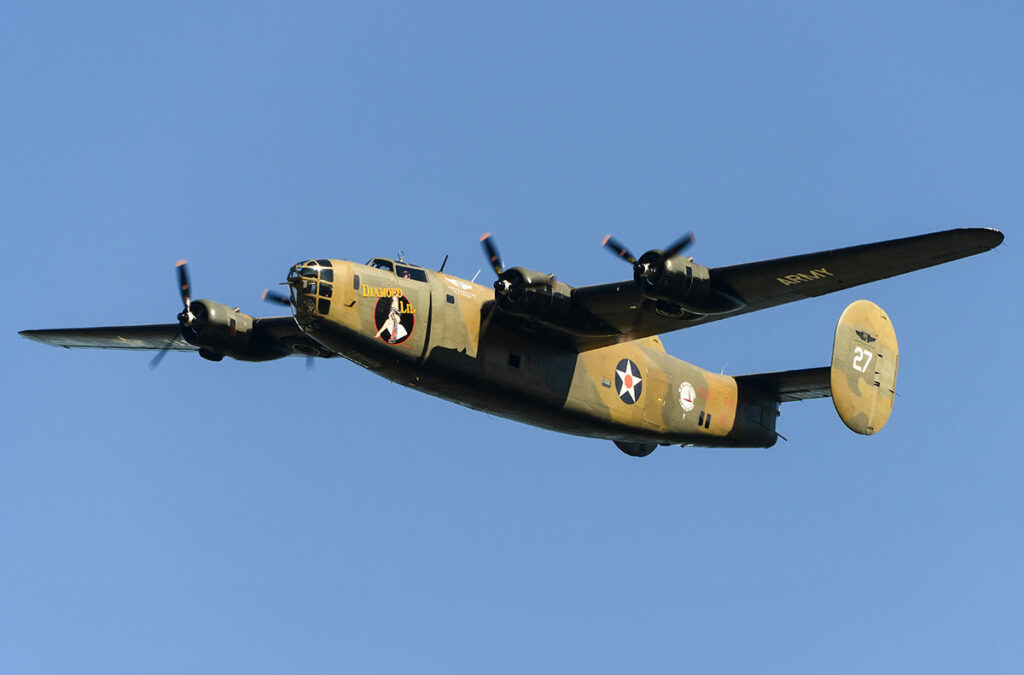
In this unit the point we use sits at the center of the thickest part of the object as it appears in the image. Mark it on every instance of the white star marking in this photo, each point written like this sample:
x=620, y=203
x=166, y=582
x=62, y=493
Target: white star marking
x=629, y=381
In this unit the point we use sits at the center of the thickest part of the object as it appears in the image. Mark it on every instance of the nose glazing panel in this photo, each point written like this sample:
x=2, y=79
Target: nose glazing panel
x=312, y=286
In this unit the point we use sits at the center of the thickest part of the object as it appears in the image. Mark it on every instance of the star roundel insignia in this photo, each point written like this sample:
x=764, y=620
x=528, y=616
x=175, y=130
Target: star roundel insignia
x=628, y=381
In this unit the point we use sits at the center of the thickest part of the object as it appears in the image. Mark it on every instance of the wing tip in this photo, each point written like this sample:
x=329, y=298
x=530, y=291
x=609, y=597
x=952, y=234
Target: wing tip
x=994, y=236
x=39, y=336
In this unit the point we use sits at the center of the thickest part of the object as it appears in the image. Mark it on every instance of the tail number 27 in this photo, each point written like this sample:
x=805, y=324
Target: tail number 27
x=861, y=359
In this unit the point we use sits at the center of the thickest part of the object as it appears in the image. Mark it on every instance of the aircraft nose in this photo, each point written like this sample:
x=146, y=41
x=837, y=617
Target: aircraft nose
x=312, y=284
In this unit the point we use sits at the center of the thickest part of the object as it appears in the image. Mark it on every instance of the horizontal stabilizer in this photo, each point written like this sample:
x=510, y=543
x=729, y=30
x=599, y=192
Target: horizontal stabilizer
x=791, y=385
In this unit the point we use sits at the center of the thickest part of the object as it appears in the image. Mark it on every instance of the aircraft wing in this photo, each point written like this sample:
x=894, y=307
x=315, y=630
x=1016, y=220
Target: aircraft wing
x=281, y=334
x=154, y=336
x=623, y=314
x=775, y=282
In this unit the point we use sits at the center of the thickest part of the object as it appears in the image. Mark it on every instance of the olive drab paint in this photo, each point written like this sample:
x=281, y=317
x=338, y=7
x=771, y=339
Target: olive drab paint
x=580, y=360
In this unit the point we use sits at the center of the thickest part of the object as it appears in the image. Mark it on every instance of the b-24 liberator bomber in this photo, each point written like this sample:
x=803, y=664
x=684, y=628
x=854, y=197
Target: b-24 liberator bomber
x=579, y=360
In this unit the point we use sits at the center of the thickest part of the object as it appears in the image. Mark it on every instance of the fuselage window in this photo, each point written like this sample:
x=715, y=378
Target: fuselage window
x=355, y=281
x=411, y=273
x=326, y=274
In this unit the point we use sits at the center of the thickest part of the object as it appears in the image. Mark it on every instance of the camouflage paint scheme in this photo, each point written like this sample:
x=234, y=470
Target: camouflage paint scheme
x=865, y=357
x=586, y=361
x=452, y=354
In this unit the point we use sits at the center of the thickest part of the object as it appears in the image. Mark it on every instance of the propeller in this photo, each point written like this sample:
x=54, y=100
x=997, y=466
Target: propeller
x=185, y=317
x=502, y=286
x=274, y=296
x=647, y=264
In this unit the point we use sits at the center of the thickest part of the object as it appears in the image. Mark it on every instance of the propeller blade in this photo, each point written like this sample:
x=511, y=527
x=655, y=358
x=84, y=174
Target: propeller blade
x=678, y=247
x=492, y=253
x=155, y=361
x=183, y=282
x=618, y=249
x=273, y=296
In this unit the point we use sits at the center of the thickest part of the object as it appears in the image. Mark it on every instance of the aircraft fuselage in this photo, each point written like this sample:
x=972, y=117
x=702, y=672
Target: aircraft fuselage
x=435, y=332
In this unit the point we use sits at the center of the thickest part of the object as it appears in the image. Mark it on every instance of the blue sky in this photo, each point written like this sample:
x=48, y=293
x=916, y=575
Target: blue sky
x=261, y=518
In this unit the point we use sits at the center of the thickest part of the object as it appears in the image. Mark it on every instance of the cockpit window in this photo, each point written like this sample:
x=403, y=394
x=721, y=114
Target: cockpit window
x=381, y=264
x=324, y=263
x=411, y=273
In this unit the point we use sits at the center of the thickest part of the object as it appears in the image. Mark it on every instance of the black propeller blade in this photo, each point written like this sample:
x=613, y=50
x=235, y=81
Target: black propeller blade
x=492, y=253
x=186, y=317
x=274, y=296
x=618, y=249
x=155, y=361
x=678, y=247
x=183, y=282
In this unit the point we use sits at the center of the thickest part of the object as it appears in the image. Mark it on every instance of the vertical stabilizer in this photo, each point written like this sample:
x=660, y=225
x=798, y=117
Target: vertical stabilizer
x=863, y=373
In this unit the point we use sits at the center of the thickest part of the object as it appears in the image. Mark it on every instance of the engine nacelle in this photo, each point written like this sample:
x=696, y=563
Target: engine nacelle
x=523, y=292
x=219, y=330
x=680, y=281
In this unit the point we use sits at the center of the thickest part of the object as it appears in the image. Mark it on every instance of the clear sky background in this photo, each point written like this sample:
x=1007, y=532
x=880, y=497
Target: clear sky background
x=259, y=518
